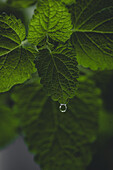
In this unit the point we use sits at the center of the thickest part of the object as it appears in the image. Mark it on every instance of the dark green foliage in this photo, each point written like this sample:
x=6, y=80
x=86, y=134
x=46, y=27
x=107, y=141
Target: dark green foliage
x=59, y=32
x=93, y=33
x=16, y=62
x=51, y=19
x=59, y=72
x=59, y=140
x=51, y=22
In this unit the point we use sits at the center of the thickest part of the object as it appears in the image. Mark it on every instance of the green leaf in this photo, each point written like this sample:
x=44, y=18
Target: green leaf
x=16, y=61
x=58, y=71
x=21, y=3
x=51, y=19
x=59, y=140
x=93, y=37
x=9, y=123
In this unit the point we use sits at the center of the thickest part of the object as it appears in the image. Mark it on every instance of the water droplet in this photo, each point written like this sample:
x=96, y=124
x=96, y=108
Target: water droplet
x=63, y=107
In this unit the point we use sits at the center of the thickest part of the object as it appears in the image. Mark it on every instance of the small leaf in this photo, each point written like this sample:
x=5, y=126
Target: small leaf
x=58, y=71
x=59, y=140
x=51, y=19
x=93, y=33
x=16, y=62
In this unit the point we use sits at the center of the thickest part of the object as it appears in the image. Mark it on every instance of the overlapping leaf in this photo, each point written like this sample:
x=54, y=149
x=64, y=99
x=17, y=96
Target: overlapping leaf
x=16, y=62
x=51, y=19
x=58, y=71
x=93, y=37
x=59, y=140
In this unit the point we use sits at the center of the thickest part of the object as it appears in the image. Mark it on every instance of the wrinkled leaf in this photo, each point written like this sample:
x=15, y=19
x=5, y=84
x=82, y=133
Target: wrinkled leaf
x=51, y=19
x=58, y=71
x=59, y=140
x=93, y=33
x=16, y=62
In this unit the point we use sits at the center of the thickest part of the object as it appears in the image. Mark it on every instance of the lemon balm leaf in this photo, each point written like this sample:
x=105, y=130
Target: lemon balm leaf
x=51, y=19
x=59, y=140
x=58, y=71
x=93, y=33
x=16, y=61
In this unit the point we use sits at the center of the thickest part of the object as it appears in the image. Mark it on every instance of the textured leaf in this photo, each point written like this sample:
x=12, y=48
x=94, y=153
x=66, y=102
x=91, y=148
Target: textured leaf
x=51, y=19
x=59, y=140
x=16, y=62
x=21, y=3
x=93, y=37
x=58, y=71
x=9, y=123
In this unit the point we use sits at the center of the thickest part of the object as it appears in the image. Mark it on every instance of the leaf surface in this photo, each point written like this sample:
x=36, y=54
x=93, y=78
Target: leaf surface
x=58, y=71
x=16, y=61
x=59, y=140
x=51, y=19
x=93, y=36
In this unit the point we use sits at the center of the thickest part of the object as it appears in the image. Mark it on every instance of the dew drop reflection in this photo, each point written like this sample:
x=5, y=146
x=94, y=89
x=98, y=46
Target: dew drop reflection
x=63, y=107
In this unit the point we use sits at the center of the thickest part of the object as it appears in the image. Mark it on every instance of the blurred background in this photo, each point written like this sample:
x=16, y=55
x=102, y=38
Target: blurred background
x=16, y=156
